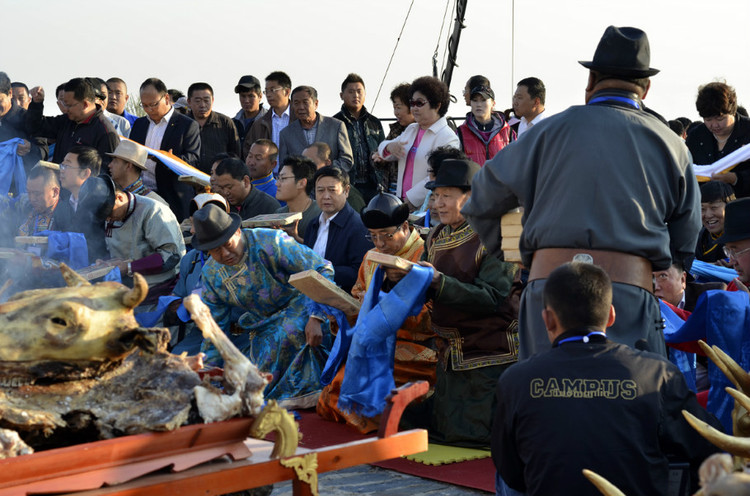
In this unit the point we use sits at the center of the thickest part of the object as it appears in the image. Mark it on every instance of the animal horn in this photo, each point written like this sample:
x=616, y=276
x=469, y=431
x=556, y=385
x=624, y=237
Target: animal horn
x=135, y=296
x=72, y=278
x=741, y=377
x=739, y=397
x=738, y=446
x=603, y=485
x=711, y=353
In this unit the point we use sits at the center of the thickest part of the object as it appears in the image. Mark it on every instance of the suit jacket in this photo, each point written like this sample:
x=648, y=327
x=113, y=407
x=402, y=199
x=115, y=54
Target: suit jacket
x=331, y=131
x=182, y=136
x=346, y=246
x=694, y=289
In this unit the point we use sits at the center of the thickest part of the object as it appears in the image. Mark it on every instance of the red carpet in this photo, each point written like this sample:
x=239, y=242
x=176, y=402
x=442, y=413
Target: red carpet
x=476, y=474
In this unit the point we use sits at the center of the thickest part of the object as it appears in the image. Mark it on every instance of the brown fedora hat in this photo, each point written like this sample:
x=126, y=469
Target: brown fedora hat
x=213, y=227
x=622, y=52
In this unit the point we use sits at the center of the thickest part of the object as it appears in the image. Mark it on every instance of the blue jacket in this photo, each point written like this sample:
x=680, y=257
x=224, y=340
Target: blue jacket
x=346, y=247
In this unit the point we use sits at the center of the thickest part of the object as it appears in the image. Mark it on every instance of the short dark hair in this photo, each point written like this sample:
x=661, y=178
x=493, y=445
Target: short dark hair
x=685, y=122
x=580, y=294
x=436, y=156
x=157, y=83
x=175, y=95
x=18, y=84
x=5, y=86
x=676, y=126
x=234, y=167
x=97, y=83
x=352, y=78
x=434, y=90
x=49, y=175
x=308, y=89
x=199, y=87
x=82, y=89
x=742, y=111
x=478, y=80
x=273, y=150
x=713, y=191
x=535, y=87
x=88, y=158
x=716, y=99
x=281, y=78
x=59, y=88
x=642, y=83
x=334, y=172
x=302, y=168
x=113, y=80
x=402, y=93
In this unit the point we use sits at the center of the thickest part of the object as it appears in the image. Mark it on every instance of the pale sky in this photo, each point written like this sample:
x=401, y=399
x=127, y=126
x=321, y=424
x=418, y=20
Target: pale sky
x=318, y=42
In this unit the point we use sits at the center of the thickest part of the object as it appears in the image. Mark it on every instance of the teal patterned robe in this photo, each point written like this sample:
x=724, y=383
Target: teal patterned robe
x=270, y=313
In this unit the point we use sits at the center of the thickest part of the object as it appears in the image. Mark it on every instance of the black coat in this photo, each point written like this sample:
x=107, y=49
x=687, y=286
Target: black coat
x=182, y=136
x=346, y=246
x=705, y=150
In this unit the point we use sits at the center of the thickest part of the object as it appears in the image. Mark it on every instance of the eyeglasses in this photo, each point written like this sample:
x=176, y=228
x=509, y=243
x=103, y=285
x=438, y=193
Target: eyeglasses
x=384, y=236
x=152, y=105
x=66, y=167
x=284, y=178
x=273, y=90
x=734, y=254
x=417, y=103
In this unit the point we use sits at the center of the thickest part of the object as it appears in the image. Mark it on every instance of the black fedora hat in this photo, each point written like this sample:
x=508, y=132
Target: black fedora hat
x=384, y=210
x=736, y=221
x=213, y=227
x=622, y=52
x=456, y=173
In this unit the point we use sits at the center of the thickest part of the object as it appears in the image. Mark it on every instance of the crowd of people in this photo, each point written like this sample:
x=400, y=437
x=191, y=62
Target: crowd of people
x=526, y=357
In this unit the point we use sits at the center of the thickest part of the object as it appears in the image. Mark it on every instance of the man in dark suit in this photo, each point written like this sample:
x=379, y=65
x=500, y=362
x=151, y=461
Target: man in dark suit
x=165, y=129
x=338, y=235
x=310, y=127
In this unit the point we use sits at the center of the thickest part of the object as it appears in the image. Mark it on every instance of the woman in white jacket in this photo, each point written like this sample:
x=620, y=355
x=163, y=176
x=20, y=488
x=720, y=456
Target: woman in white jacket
x=428, y=98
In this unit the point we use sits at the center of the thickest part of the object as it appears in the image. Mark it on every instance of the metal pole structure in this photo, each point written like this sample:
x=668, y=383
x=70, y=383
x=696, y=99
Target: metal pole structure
x=458, y=25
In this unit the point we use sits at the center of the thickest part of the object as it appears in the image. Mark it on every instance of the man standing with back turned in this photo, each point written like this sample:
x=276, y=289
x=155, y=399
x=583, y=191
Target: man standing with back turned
x=605, y=182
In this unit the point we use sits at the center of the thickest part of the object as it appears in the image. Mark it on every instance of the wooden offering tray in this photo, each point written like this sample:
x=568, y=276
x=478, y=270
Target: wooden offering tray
x=271, y=220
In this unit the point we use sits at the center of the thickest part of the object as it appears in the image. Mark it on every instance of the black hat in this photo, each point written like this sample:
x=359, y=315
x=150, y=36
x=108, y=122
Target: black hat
x=247, y=83
x=736, y=221
x=622, y=52
x=485, y=91
x=213, y=227
x=384, y=210
x=97, y=196
x=454, y=172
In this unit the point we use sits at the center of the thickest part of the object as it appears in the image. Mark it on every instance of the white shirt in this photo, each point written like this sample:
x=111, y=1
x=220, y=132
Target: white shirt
x=73, y=202
x=120, y=123
x=154, y=136
x=278, y=123
x=321, y=243
x=525, y=125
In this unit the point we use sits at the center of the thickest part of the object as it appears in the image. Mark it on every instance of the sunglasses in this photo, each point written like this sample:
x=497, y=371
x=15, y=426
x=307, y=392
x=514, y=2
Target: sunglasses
x=417, y=103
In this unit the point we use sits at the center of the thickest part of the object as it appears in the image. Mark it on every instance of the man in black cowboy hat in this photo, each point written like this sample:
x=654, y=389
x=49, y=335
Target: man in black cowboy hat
x=474, y=312
x=605, y=182
x=736, y=241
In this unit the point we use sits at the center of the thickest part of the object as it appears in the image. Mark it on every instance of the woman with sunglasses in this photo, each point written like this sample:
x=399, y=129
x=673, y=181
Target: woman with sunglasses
x=428, y=99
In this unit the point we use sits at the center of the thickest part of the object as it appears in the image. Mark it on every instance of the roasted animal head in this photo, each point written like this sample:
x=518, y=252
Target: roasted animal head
x=44, y=332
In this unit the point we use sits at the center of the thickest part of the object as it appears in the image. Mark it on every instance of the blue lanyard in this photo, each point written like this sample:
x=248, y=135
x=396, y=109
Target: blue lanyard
x=585, y=338
x=621, y=99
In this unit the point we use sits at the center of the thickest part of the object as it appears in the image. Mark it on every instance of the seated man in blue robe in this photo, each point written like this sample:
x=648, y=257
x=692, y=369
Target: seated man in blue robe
x=246, y=288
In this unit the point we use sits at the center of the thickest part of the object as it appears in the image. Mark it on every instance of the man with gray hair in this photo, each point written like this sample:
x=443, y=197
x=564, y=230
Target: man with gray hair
x=310, y=127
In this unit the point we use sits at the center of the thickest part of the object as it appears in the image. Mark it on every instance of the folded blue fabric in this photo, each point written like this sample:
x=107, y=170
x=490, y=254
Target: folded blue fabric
x=683, y=360
x=709, y=272
x=113, y=275
x=150, y=319
x=11, y=167
x=68, y=247
x=369, y=366
x=720, y=318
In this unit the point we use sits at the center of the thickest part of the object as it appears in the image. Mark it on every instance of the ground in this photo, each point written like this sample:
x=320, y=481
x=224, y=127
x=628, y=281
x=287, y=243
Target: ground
x=366, y=479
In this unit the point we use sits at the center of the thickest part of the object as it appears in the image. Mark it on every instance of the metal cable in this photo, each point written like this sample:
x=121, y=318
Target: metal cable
x=392, y=55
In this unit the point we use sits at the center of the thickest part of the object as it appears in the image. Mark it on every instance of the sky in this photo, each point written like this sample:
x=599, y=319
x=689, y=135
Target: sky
x=318, y=42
